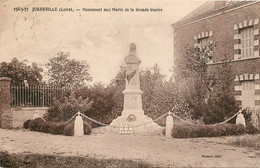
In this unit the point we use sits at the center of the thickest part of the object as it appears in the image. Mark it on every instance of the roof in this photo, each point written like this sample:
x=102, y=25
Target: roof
x=208, y=8
x=204, y=8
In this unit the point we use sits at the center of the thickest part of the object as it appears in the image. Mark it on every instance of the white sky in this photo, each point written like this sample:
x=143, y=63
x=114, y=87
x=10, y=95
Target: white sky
x=100, y=38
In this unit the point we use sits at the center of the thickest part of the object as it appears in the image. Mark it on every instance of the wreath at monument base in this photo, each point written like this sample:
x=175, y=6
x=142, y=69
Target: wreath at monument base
x=131, y=117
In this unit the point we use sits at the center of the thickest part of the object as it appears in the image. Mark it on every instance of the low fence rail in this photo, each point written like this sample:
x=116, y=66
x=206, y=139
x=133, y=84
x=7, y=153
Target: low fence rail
x=34, y=96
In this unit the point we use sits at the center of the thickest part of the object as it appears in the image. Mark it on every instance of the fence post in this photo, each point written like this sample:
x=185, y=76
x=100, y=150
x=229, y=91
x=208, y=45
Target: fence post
x=78, y=126
x=240, y=119
x=5, y=101
x=169, y=125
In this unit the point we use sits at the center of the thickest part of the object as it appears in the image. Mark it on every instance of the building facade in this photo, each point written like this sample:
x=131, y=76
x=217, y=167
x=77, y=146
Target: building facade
x=234, y=26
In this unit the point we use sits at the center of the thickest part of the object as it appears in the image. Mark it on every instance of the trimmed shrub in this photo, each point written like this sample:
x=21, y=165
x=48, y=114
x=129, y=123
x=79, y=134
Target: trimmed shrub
x=68, y=130
x=87, y=128
x=35, y=125
x=26, y=124
x=45, y=127
x=207, y=131
x=56, y=128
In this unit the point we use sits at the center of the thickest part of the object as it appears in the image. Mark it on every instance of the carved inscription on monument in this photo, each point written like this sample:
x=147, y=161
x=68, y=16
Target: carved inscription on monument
x=133, y=81
x=132, y=102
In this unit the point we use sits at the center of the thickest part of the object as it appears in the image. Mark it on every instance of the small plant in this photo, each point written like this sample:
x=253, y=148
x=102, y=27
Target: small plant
x=251, y=129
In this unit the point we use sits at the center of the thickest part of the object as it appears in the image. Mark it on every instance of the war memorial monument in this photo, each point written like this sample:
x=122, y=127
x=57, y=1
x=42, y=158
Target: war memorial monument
x=133, y=119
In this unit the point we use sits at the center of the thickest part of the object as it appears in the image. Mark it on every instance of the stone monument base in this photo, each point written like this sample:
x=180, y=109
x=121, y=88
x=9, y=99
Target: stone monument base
x=142, y=124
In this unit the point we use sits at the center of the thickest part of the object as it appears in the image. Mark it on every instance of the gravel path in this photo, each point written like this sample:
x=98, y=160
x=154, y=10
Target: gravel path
x=156, y=149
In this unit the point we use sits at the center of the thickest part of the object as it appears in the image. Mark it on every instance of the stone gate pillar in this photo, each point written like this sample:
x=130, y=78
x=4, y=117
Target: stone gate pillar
x=6, y=116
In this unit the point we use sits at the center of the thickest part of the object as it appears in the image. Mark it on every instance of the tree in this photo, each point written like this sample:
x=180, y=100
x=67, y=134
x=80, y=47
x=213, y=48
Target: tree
x=101, y=97
x=117, y=86
x=67, y=72
x=63, y=108
x=155, y=92
x=21, y=73
x=207, y=91
x=221, y=103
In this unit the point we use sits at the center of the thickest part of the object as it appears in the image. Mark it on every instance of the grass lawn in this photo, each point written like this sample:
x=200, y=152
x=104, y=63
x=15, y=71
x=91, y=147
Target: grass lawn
x=251, y=141
x=107, y=149
x=40, y=160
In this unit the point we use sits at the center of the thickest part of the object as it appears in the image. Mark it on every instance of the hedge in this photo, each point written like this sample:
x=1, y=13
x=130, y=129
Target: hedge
x=211, y=131
x=56, y=128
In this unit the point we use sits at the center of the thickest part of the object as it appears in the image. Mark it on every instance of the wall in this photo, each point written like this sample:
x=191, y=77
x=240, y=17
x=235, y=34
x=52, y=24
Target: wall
x=14, y=117
x=20, y=115
x=5, y=100
x=222, y=28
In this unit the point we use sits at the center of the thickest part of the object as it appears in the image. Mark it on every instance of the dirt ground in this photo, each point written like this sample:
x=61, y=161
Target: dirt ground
x=155, y=149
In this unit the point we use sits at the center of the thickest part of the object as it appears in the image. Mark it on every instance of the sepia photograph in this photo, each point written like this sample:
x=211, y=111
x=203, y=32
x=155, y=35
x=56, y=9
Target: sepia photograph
x=130, y=84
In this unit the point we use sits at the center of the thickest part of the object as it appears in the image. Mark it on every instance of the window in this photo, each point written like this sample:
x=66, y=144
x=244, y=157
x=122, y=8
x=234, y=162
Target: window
x=203, y=43
x=247, y=42
x=248, y=94
x=248, y=85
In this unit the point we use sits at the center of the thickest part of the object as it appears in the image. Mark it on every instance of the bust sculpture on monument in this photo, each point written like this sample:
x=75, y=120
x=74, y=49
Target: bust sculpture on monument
x=133, y=113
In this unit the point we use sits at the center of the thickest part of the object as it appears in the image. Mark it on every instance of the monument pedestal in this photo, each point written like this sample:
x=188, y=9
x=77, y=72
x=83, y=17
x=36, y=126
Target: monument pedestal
x=133, y=119
x=142, y=124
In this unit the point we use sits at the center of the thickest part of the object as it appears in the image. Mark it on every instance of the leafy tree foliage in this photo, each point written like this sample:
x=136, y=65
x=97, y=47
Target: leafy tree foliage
x=107, y=101
x=117, y=86
x=206, y=90
x=21, y=73
x=156, y=91
x=94, y=101
x=67, y=72
x=221, y=103
x=101, y=97
x=65, y=107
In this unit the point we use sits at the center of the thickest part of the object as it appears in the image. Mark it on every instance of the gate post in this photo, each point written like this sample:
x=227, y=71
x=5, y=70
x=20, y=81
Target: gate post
x=169, y=125
x=6, y=116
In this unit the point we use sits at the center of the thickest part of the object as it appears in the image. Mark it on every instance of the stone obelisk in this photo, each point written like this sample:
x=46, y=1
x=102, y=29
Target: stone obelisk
x=133, y=115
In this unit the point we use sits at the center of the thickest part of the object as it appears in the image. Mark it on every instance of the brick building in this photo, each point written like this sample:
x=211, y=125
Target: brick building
x=234, y=27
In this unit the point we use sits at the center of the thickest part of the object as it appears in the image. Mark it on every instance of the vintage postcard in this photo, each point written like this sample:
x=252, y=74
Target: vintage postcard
x=110, y=83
